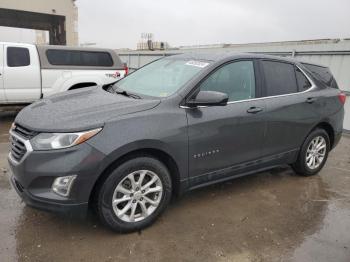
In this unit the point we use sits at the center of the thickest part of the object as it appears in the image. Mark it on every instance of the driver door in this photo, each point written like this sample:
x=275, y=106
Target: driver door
x=225, y=139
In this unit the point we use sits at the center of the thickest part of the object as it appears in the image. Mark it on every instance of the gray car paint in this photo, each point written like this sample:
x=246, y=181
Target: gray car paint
x=243, y=143
x=37, y=171
x=79, y=110
x=235, y=136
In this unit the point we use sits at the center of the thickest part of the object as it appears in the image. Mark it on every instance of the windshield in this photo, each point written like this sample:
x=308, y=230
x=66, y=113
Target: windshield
x=161, y=78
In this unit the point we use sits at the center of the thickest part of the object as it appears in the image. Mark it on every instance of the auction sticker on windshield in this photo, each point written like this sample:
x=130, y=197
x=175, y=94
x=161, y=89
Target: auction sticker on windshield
x=197, y=64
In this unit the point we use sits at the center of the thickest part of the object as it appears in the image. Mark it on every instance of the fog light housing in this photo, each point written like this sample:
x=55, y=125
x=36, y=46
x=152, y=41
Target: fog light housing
x=63, y=184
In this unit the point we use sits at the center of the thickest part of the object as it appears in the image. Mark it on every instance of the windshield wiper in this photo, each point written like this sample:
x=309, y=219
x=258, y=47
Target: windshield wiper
x=127, y=94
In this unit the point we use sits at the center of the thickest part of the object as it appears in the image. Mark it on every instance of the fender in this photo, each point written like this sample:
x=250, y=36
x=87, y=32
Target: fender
x=142, y=145
x=68, y=79
x=323, y=121
x=139, y=145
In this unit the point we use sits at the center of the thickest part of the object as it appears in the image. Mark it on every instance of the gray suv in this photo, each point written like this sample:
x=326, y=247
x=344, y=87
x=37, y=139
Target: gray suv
x=174, y=125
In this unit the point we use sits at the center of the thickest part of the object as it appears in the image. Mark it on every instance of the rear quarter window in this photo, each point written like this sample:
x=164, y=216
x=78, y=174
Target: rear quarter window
x=303, y=82
x=323, y=74
x=79, y=58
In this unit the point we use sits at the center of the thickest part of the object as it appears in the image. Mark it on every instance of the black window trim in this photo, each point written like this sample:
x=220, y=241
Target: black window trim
x=257, y=75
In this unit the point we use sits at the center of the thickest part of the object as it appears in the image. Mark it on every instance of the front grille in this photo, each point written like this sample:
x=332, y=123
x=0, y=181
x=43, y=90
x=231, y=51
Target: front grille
x=18, y=149
x=24, y=132
x=18, y=139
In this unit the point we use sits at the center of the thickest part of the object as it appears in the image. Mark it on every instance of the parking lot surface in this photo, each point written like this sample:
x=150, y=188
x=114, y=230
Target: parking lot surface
x=271, y=216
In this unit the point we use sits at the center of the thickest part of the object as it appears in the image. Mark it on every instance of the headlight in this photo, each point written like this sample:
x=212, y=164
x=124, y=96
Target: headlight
x=47, y=141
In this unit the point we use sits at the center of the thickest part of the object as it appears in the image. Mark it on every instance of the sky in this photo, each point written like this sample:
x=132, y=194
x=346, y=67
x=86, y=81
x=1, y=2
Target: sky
x=119, y=24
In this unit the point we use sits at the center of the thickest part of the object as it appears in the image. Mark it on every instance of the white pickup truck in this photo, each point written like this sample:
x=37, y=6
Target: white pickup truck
x=30, y=72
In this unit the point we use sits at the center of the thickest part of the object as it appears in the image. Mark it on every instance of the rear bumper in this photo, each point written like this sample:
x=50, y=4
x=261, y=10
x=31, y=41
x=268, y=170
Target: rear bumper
x=71, y=210
x=337, y=137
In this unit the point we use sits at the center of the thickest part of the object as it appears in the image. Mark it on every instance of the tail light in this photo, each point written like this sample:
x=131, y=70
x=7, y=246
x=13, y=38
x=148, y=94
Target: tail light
x=342, y=97
x=126, y=69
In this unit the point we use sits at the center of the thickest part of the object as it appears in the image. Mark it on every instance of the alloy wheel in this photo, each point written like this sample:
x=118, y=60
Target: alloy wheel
x=137, y=196
x=316, y=152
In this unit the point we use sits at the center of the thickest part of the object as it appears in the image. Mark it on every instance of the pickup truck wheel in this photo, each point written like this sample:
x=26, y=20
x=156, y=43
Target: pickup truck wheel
x=134, y=194
x=313, y=153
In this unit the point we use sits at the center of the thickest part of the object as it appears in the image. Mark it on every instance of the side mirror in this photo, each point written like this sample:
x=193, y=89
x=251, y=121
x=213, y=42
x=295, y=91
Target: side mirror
x=208, y=98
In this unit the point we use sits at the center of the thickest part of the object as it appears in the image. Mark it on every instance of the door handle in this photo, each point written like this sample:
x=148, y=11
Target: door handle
x=254, y=110
x=310, y=100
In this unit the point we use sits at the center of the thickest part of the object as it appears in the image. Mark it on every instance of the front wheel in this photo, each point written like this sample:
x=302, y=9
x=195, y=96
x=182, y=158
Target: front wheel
x=313, y=153
x=134, y=194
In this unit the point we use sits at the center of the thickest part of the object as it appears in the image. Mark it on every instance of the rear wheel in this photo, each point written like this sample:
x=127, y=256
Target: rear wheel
x=313, y=153
x=134, y=194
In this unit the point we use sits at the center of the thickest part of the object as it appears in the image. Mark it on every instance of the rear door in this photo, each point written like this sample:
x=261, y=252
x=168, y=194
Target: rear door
x=22, y=80
x=222, y=138
x=2, y=92
x=292, y=107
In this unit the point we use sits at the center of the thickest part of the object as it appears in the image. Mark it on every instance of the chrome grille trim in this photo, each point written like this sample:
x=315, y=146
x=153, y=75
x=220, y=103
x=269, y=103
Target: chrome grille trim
x=16, y=147
x=24, y=132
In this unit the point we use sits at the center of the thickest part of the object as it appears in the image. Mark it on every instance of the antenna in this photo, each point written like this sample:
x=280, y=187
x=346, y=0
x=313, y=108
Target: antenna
x=148, y=38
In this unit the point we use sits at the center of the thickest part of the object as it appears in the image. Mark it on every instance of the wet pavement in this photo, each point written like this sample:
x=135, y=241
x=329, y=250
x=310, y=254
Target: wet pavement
x=271, y=216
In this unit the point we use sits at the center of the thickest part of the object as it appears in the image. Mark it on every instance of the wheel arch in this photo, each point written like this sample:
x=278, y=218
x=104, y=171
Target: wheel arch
x=156, y=153
x=78, y=81
x=325, y=125
x=82, y=85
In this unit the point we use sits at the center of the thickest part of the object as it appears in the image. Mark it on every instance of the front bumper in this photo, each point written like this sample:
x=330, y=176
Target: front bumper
x=71, y=210
x=33, y=177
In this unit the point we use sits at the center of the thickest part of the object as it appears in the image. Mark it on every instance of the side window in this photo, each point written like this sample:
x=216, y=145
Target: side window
x=279, y=78
x=303, y=82
x=236, y=79
x=18, y=56
x=79, y=58
x=96, y=59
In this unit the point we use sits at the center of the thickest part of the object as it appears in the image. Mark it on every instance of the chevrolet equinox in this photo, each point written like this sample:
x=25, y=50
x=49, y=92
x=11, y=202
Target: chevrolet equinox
x=174, y=125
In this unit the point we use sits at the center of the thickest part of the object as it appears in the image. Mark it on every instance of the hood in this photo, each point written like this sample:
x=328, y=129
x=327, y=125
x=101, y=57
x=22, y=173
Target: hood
x=79, y=110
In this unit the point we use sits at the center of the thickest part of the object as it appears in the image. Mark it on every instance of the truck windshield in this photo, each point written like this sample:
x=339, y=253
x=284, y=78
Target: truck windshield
x=161, y=78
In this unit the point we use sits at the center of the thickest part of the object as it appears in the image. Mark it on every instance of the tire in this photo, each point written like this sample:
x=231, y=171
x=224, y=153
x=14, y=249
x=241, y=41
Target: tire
x=304, y=165
x=118, y=186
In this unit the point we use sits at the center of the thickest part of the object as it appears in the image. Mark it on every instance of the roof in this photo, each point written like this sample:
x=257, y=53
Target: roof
x=65, y=47
x=219, y=56
x=16, y=43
